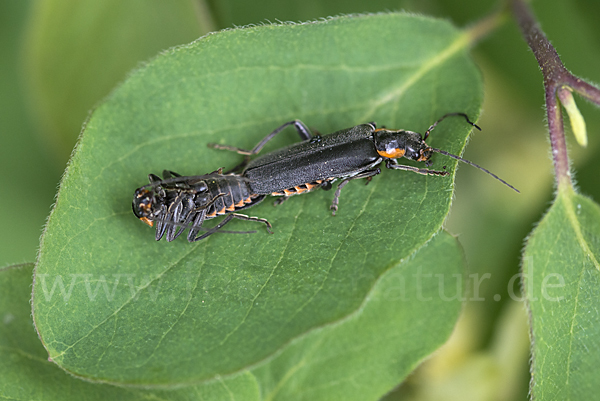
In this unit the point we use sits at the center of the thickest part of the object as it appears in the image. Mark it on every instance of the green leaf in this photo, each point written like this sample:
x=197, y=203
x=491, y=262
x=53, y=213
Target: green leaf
x=562, y=278
x=28, y=375
x=361, y=357
x=111, y=304
x=409, y=313
x=70, y=69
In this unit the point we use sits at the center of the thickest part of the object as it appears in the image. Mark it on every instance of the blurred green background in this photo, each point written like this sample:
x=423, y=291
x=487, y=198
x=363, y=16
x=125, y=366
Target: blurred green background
x=58, y=58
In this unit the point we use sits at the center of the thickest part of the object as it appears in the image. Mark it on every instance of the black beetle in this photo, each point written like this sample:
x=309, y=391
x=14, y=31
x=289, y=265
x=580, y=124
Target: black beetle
x=348, y=154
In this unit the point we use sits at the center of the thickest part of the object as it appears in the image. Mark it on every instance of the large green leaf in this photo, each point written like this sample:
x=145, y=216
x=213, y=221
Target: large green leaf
x=408, y=313
x=70, y=69
x=28, y=375
x=562, y=281
x=139, y=312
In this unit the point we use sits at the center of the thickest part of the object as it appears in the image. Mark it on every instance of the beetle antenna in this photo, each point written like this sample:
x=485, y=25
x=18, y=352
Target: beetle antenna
x=474, y=165
x=426, y=135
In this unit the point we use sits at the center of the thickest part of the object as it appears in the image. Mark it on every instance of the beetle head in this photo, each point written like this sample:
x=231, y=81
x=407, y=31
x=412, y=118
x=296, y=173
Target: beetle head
x=401, y=143
x=144, y=201
x=151, y=202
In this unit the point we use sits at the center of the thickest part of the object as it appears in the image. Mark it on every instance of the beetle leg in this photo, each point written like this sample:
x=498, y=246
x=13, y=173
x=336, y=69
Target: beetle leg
x=300, y=127
x=173, y=217
x=251, y=218
x=326, y=186
x=153, y=178
x=336, y=196
x=280, y=200
x=168, y=174
x=227, y=220
x=161, y=224
x=187, y=214
x=196, y=225
x=393, y=164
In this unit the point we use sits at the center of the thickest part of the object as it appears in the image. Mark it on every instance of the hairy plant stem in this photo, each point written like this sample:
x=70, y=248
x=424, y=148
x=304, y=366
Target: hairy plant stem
x=557, y=81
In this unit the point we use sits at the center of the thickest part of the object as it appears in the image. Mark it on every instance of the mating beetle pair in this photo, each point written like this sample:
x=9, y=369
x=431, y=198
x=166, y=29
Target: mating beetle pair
x=316, y=162
x=176, y=202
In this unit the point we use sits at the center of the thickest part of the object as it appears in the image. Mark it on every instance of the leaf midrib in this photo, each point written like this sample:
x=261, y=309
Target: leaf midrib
x=460, y=43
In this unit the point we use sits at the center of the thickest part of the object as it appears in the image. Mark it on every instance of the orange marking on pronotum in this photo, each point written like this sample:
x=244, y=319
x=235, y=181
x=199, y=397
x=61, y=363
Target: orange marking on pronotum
x=395, y=153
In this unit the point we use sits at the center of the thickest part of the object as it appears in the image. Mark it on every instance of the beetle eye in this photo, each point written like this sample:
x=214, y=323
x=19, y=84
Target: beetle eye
x=142, y=203
x=425, y=154
x=137, y=210
x=411, y=153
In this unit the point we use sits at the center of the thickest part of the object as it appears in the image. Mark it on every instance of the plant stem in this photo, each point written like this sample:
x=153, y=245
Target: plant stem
x=556, y=79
